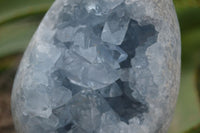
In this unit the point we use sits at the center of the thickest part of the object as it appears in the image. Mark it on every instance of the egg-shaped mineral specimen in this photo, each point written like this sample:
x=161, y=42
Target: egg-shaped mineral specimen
x=100, y=66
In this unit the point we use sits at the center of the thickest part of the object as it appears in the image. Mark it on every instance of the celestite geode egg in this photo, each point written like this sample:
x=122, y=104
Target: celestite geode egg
x=100, y=66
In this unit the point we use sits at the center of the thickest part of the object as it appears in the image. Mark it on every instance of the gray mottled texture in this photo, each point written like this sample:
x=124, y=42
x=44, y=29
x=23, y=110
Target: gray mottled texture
x=100, y=66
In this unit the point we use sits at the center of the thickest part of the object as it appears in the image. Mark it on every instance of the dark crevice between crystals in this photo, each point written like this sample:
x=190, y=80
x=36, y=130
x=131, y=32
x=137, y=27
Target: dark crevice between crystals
x=125, y=105
x=62, y=44
x=69, y=126
x=136, y=36
x=97, y=30
x=66, y=128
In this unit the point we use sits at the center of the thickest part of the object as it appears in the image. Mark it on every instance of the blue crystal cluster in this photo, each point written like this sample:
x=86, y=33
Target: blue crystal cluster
x=81, y=71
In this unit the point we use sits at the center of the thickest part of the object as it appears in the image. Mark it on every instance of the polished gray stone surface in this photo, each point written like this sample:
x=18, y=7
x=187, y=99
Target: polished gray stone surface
x=100, y=66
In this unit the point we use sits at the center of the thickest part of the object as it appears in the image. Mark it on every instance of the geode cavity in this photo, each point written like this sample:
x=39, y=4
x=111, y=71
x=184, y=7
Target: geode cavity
x=100, y=66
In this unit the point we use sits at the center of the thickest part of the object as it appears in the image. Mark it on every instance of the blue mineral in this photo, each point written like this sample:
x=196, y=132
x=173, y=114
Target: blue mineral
x=100, y=66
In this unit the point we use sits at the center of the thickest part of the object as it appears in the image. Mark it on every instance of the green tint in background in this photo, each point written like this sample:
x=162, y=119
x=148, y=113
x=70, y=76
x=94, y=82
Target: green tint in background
x=20, y=18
